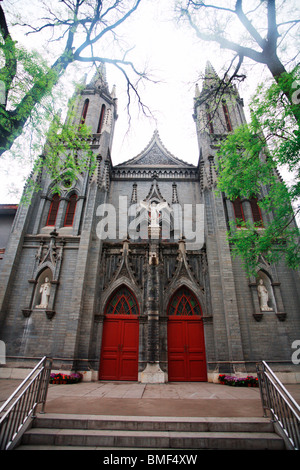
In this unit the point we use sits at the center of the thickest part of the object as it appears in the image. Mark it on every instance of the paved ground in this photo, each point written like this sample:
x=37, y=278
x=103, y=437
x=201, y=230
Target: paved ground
x=135, y=399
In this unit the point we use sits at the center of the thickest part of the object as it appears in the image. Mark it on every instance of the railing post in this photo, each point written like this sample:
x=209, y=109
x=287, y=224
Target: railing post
x=46, y=379
x=22, y=404
x=262, y=388
x=285, y=412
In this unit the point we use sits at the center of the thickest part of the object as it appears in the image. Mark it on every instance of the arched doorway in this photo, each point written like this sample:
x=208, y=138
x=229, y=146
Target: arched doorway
x=120, y=339
x=186, y=345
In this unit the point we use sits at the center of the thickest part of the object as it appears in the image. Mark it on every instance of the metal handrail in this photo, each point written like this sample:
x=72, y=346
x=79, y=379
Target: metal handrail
x=21, y=405
x=285, y=412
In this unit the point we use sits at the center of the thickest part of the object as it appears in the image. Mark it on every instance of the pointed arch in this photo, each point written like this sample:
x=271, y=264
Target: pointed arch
x=70, y=211
x=120, y=337
x=101, y=118
x=186, y=340
x=238, y=211
x=84, y=111
x=52, y=214
x=122, y=302
x=227, y=117
x=184, y=303
x=256, y=212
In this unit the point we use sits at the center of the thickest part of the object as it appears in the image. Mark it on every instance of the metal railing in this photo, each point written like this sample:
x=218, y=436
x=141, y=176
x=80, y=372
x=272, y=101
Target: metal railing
x=20, y=407
x=276, y=400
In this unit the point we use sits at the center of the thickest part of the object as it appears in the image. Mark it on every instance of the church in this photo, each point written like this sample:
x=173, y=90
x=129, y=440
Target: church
x=127, y=273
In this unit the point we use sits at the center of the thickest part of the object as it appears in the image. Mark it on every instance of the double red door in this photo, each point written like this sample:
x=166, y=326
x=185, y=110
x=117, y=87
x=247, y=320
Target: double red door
x=186, y=350
x=120, y=348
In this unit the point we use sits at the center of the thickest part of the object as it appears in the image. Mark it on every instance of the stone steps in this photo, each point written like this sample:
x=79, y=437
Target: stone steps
x=53, y=431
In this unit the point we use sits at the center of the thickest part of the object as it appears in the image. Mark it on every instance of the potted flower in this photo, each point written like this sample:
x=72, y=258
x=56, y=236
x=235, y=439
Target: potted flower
x=65, y=379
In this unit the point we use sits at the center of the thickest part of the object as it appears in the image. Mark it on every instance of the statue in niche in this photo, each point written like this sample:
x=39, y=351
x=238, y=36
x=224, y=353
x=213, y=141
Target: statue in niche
x=45, y=294
x=263, y=296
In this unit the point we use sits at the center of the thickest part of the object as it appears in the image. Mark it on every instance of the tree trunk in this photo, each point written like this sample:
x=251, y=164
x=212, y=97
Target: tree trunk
x=278, y=70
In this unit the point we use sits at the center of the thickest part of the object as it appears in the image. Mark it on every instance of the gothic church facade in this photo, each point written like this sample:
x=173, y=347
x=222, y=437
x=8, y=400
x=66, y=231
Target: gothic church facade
x=127, y=274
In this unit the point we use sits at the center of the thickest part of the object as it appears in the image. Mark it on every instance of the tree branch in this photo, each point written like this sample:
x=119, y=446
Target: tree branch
x=8, y=72
x=224, y=43
x=248, y=25
x=12, y=122
x=272, y=34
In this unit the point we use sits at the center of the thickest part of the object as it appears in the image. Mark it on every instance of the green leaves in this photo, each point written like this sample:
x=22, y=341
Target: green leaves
x=247, y=163
x=67, y=154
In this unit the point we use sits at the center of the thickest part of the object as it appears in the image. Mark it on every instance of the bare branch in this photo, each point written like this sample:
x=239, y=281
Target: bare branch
x=224, y=43
x=272, y=27
x=248, y=25
x=95, y=22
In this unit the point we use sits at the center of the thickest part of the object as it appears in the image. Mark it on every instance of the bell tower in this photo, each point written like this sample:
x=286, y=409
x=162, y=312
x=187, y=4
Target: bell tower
x=53, y=242
x=218, y=110
x=96, y=106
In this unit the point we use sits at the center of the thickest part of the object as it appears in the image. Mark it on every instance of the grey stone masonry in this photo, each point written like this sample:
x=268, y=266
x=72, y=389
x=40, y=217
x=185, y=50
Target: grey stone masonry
x=156, y=227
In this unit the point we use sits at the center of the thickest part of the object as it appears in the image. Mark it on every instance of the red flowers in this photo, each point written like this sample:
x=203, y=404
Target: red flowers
x=65, y=379
x=249, y=381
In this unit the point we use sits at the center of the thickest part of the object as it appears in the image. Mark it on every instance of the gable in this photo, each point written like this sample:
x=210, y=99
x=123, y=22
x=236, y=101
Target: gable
x=154, y=155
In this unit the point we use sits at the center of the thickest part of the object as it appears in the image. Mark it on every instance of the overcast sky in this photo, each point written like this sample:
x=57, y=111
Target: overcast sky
x=176, y=59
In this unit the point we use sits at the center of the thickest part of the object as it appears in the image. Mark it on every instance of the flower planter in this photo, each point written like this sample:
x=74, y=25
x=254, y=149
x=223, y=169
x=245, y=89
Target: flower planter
x=248, y=381
x=62, y=379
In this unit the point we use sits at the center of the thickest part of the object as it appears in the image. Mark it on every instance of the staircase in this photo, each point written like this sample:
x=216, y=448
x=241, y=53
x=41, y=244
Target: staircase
x=55, y=431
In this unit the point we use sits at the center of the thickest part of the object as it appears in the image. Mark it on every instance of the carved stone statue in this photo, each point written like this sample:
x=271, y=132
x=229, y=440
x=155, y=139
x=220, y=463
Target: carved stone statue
x=45, y=294
x=154, y=211
x=263, y=296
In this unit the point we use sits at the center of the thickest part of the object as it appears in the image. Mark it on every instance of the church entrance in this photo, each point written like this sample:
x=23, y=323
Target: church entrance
x=186, y=345
x=120, y=339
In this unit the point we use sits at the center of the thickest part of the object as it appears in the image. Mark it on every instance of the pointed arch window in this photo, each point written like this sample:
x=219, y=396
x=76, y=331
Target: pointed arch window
x=53, y=210
x=70, y=212
x=100, y=123
x=210, y=123
x=256, y=212
x=227, y=117
x=184, y=303
x=238, y=211
x=122, y=302
x=84, y=111
x=209, y=120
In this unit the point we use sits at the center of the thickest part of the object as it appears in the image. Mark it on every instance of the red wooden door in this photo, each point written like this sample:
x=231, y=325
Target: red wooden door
x=120, y=344
x=186, y=344
x=120, y=338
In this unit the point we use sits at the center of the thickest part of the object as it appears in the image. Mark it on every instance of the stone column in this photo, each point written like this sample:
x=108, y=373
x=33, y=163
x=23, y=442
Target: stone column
x=153, y=373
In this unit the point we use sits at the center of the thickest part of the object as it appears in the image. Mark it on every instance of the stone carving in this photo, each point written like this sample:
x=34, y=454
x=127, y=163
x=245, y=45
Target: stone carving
x=155, y=156
x=45, y=294
x=263, y=296
x=154, y=210
x=153, y=258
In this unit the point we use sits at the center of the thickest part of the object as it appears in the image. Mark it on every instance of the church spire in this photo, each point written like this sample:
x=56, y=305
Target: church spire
x=99, y=80
x=210, y=76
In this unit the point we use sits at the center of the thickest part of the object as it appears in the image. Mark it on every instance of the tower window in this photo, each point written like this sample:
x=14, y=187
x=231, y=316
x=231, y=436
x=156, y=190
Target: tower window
x=84, y=112
x=70, y=212
x=101, y=119
x=210, y=123
x=256, y=213
x=238, y=211
x=227, y=117
x=53, y=210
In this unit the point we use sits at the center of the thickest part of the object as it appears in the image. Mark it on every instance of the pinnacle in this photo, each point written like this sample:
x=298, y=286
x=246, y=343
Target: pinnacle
x=210, y=71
